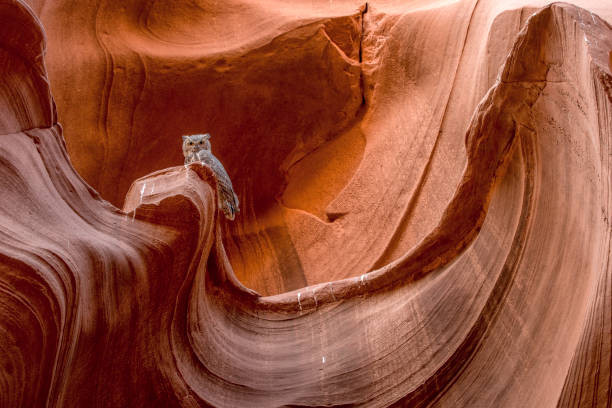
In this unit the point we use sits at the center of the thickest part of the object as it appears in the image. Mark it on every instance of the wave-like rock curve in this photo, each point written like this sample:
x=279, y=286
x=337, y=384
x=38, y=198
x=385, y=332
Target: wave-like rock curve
x=500, y=298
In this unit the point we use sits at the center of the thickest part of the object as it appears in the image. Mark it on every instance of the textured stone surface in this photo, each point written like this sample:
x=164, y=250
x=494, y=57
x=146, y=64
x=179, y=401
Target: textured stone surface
x=424, y=192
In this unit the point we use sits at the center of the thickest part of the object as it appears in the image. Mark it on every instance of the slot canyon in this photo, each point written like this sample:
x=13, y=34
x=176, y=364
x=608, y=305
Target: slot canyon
x=424, y=203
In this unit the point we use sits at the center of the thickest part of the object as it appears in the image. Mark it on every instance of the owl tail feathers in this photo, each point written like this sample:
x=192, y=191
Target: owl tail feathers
x=230, y=209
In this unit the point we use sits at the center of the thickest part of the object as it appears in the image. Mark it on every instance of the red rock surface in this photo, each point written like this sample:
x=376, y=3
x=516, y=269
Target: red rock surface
x=424, y=189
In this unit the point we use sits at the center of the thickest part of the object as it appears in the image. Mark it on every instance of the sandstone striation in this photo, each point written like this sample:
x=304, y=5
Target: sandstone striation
x=424, y=190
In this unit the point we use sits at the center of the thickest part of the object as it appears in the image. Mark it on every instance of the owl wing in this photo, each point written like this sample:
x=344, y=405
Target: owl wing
x=228, y=201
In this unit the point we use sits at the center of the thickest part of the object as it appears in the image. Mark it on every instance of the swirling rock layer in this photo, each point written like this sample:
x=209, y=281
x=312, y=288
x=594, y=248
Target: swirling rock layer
x=425, y=193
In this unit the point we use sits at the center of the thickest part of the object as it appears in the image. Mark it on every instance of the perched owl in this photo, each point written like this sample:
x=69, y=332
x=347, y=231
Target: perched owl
x=197, y=148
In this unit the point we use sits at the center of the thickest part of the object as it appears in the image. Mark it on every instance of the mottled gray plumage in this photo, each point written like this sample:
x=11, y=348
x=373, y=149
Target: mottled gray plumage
x=197, y=148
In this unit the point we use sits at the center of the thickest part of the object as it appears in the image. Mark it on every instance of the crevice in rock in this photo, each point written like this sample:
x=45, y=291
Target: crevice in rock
x=364, y=10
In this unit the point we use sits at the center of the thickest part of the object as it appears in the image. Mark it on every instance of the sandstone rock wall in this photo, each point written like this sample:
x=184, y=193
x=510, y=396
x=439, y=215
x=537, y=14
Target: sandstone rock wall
x=425, y=194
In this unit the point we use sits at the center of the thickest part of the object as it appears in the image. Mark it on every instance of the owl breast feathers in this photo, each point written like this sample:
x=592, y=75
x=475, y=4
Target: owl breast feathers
x=197, y=148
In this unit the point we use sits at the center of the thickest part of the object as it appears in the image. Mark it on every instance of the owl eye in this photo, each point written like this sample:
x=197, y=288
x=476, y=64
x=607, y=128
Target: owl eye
x=201, y=142
x=190, y=143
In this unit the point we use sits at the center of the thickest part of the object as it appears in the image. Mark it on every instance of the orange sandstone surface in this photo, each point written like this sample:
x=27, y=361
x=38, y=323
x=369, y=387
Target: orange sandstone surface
x=424, y=189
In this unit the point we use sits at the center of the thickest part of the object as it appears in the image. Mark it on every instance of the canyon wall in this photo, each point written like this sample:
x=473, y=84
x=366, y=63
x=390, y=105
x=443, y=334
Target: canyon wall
x=424, y=194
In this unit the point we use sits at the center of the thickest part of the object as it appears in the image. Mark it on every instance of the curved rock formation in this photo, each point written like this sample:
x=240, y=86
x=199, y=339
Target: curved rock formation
x=425, y=205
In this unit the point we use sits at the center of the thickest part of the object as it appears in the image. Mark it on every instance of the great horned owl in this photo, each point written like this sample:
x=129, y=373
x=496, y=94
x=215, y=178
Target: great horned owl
x=197, y=148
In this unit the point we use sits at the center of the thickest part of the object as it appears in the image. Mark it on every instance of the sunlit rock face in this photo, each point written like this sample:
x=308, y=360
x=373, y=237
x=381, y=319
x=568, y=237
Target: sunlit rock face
x=424, y=190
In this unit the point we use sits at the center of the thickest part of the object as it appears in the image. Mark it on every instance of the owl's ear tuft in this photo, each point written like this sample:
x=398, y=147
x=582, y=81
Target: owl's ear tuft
x=207, y=136
x=185, y=138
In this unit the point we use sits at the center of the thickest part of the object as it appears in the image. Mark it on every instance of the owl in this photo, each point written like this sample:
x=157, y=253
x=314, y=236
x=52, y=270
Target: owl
x=197, y=148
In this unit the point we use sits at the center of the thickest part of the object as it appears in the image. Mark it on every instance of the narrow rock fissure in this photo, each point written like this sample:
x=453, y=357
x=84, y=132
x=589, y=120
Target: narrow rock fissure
x=364, y=10
x=361, y=79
